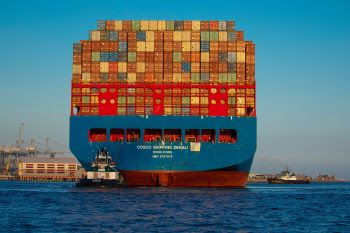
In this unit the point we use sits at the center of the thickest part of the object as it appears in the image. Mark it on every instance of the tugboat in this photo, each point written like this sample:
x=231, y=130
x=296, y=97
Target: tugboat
x=287, y=177
x=103, y=172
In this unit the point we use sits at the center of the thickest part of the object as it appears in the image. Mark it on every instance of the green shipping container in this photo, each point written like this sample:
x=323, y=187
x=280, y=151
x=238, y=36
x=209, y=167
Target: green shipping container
x=205, y=36
x=132, y=56
x=214, y=36
x=95, y=56
x=195, y=78
x=231, y=78
x=135, y=25
x=177, y=56
x=222, y=78
x=170, y=25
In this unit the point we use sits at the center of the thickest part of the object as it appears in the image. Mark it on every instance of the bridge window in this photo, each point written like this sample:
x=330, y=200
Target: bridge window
x=98, y=135
x=192, y=135
x=117, y=135
x=132, y=135
x=208, y=135
x=172, y=135
x=153, y=135
x=228, y=136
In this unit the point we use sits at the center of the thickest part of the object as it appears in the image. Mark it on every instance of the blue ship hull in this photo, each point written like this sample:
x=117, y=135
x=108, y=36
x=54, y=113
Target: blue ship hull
x=171, y=163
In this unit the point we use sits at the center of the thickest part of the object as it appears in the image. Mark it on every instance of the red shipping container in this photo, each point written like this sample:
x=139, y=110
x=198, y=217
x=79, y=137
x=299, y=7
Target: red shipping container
x=86, y=67
x=122, y=36
x=131, y=36
x=158, y=56
x=113, y=77
x=104, y=46
x=214, y=25
x=223, y=67
x=168, y=56
x=132, y=67
x=195, y=36
x=95, y=77
x=177, y=67
x=195, y=56
x=77, y=58
x=158, y=36
x=187, y=25
x=158, y=46
x=132, y=45
x=222, y=46
x=239, y=35
x=240, y=67
x=140, y=77
x=168, y=46
x=231, y=46
x=158, y=67
x=214, y=67
x=95, y=46
x=214, y=57
x=168, y=36
x=113, y=46
x=205, y=67
x=149, y=56
x=140, y=56
x=126, y=25
x=204, y=26
x=86, y=45
x=214, y=46
x=149, y=67
x=213, y=77
x=109, y=25
x=95, y=67
x=168, y=67
x=168, y=77
x=177, y=46
x=186, y=56
x=158, y=77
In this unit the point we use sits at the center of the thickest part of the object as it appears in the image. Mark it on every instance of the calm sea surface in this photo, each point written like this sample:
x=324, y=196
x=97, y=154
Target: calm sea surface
x=61, y=207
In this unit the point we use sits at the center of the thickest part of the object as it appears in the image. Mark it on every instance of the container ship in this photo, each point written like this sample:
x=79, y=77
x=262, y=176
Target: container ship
x=172, y=102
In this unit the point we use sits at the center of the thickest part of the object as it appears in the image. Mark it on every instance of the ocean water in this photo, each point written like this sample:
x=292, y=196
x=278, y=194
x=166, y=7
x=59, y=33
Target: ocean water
x=61, y=207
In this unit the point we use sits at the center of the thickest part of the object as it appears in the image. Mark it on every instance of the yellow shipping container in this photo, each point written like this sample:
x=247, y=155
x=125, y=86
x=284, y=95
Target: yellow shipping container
x=150, y=36
x=240, y=101
x=204, y=100
x=140, y=67
x=177, y=35
x=204, y=56
x=194, y=100
x=168, y=111
x=95, y=35
x=196, y=25
x=186, y=46
x=104, y=66
x=76, y=69
x=240, y=111
x=223, y=36
x=122, y=67
x=177, y=77
x=195, y=46
x=85, y=78
x=94, y=99
x=186, y=35
x=161, y=25
x=144, y=25
x=131, y=79
x=118, y=25
x=152, y=25
x=240, y=56
x=141, y=46
x=149, y=46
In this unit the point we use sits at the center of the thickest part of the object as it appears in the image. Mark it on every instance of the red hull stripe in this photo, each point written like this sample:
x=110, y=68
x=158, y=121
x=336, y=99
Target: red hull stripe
x=185, y=179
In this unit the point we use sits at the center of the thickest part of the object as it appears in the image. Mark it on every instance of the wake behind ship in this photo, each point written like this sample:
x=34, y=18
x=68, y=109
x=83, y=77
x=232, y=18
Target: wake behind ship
x=173, y=102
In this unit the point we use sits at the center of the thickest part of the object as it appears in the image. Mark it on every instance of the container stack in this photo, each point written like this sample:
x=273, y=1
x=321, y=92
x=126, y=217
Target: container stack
x=147, y=67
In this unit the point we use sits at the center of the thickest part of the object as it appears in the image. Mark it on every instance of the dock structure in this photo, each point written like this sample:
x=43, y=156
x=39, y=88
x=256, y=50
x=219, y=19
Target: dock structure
x=49, y=169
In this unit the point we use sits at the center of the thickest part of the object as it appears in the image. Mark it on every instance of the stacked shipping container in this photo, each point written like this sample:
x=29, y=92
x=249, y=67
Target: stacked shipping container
x=164, y=68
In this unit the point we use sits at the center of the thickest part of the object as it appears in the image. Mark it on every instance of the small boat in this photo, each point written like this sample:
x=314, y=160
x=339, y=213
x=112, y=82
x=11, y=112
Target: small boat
x=287, y=177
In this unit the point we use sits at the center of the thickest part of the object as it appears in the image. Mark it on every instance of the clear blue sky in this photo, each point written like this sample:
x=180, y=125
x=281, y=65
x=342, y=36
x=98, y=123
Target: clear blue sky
x=302, y=70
